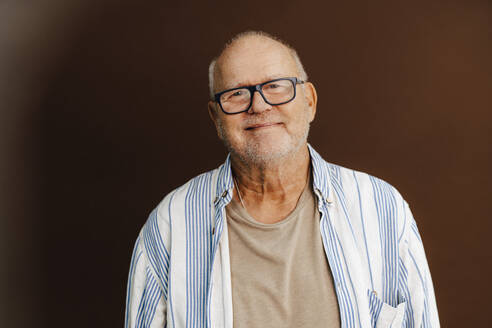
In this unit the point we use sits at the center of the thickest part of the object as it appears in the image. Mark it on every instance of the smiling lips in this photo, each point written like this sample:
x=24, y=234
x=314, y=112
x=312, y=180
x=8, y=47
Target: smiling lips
x=261, y=126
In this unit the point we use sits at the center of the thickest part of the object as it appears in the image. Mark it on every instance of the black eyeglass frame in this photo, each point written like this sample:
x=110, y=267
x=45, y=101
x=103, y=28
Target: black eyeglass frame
x=253, y=88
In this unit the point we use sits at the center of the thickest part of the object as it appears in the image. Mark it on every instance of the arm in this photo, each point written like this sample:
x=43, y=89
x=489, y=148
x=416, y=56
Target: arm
x=147, y=279
x=415, y=282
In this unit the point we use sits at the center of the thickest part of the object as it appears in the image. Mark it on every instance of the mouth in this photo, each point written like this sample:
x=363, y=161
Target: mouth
x=261, y=126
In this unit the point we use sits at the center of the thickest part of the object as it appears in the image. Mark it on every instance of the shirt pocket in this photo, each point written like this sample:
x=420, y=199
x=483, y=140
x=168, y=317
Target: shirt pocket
x=384, y=315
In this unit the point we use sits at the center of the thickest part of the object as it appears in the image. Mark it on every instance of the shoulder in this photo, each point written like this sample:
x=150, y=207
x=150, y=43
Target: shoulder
x=350, y=183
x=347, y=180
x=154, y=236
x=363, y=194
x=198, y=189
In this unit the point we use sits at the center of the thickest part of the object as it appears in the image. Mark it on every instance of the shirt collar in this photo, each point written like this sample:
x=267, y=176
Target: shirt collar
x=321, y=176
x=321, y=179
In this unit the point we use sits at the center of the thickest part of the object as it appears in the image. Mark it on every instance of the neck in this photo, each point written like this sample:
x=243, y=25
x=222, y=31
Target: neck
x=271, y=191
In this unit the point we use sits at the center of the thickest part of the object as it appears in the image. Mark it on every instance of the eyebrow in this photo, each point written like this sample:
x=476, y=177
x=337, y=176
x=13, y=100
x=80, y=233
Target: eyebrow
x=268, y=78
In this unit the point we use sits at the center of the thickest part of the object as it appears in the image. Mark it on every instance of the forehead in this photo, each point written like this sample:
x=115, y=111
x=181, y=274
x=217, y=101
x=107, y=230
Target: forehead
x=253, y=60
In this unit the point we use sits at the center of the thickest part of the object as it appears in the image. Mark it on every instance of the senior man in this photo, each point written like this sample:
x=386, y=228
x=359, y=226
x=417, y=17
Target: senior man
x=276, y=236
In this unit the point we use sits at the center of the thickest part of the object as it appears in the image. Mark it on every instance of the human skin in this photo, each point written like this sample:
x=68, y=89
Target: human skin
x=268, y=144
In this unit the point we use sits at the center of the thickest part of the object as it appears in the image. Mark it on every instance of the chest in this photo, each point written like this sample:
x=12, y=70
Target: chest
x=201, y=283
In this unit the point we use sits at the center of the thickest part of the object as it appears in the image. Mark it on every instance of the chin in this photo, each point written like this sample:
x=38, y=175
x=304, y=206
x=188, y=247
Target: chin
x=269, y=152
x=266, y=150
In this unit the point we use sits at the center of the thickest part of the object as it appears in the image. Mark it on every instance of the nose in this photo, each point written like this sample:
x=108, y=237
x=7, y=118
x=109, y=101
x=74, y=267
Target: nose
x=258, y=104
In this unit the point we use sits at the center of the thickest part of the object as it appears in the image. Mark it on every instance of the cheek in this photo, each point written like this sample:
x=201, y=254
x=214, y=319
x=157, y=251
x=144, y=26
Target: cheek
x=230, y=128
x=300, y=118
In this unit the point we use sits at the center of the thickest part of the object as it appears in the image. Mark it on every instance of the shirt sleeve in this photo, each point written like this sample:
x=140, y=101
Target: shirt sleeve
x=147, y=280
x=415, y=282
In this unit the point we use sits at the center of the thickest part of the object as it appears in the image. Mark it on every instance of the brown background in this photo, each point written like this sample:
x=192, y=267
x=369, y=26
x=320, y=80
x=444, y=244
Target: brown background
x=103, y=112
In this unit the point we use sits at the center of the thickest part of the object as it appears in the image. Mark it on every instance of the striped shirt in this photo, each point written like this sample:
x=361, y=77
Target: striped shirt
x=180, y=270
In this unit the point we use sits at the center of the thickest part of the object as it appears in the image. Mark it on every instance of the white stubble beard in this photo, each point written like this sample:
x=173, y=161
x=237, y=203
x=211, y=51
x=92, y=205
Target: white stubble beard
x=252, y=153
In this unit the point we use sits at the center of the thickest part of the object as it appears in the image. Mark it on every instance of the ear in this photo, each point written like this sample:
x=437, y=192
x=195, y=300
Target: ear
x=311, y=98
x=212, y=112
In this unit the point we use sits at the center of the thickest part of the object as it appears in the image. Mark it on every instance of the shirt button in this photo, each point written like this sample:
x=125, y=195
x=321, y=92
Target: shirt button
x=224, y=194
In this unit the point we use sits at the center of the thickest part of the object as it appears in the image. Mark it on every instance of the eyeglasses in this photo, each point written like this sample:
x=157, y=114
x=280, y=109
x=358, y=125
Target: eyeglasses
x=274, y=92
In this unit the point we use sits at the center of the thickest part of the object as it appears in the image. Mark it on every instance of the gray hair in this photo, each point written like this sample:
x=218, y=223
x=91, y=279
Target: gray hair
x=211, y=68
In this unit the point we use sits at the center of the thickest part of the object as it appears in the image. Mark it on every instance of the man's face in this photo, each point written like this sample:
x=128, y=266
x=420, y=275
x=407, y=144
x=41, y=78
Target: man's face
x=264, y=133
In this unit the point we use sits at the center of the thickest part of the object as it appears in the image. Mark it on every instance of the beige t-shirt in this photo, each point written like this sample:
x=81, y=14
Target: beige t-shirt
x=280, y=275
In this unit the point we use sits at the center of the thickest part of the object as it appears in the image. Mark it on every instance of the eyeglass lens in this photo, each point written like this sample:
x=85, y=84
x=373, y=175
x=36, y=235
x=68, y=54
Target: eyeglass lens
x=275, y=92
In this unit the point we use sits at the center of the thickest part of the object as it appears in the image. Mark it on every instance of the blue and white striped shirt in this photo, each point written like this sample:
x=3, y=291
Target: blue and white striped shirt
x=180, y=270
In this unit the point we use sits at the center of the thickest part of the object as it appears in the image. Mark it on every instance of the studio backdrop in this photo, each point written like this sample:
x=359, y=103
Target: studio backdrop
x=104, y=111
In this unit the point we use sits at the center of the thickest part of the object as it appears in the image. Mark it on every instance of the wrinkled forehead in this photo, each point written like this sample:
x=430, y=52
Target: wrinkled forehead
x=253, y=60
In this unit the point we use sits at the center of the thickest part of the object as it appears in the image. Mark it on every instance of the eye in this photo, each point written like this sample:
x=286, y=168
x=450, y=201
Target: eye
x=237, y=93
x=273, y=86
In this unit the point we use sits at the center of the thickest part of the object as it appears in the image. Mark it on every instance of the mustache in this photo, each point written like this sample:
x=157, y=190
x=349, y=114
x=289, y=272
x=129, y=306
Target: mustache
x=261, y=119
